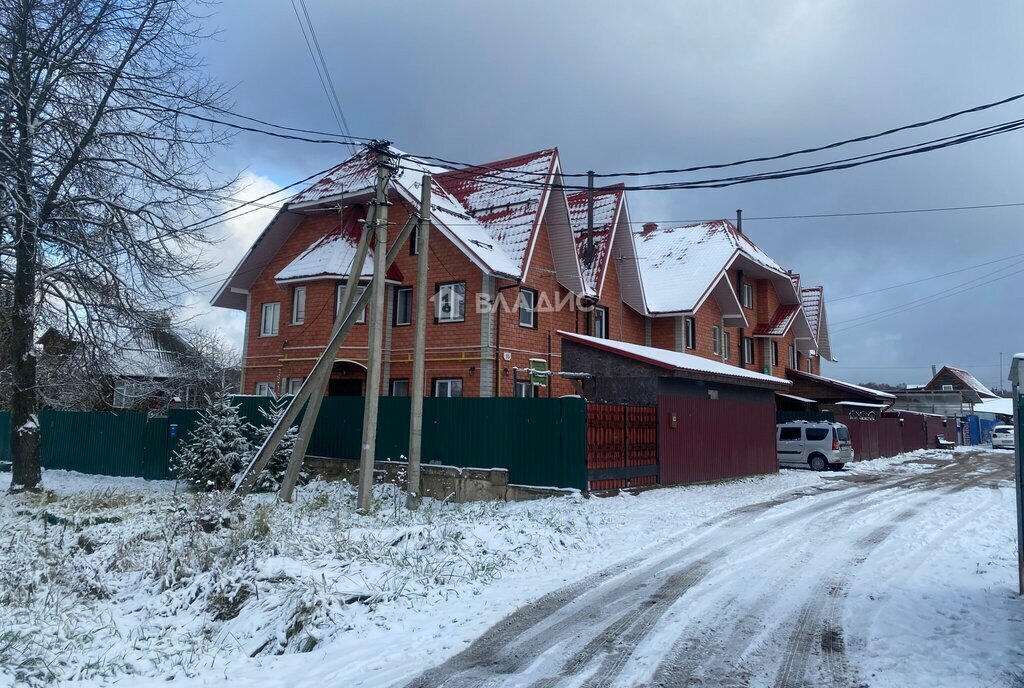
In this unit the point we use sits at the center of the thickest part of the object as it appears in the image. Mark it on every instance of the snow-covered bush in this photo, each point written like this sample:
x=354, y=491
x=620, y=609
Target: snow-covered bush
x=216, y=449
x=271, y=477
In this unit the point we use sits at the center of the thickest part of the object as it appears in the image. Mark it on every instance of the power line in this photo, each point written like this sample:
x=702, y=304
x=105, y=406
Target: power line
x=926, y=279
x=325, y=76
x=925, y=301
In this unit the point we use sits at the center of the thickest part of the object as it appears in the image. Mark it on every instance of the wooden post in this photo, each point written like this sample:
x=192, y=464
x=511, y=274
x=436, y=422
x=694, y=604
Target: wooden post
x=319, y=385
x=374, y=348
x=412, y=500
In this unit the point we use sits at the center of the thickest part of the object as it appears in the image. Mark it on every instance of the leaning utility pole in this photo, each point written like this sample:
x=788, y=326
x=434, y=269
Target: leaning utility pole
x=374, y=343
x=319, y=384
x=412, y=500
x=326, y=360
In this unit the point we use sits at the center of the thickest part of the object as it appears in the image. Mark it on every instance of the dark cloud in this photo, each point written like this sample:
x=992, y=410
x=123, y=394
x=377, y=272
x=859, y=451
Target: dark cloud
x=644, y=85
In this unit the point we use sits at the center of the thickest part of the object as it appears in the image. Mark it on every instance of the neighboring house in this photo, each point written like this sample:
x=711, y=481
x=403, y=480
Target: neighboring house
x=140, y=368
x=842, y=398
x=950, y=379
x=511, y=265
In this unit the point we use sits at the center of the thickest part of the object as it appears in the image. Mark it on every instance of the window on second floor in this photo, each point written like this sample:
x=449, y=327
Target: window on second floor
x=271, y=319
x=725, y=345
x=601, y=322
x=451, y=302
x=716, y=339
x=792, y=356
x=298, y=305
x=748, y=295
x=690, y=333
x=775, y=353
x=748, y=350
x=339, y=294
x=403, y=306
x=527, y=308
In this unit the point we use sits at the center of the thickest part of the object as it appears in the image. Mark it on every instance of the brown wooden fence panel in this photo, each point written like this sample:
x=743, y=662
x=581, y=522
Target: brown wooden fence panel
x=865, y=437
x=622, y=446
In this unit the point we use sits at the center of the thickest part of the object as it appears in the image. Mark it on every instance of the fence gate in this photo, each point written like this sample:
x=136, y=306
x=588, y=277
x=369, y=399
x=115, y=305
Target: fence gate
x=622, y=446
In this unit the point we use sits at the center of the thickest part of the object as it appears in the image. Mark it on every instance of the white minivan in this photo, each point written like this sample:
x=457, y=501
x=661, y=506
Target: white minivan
x=814, y=445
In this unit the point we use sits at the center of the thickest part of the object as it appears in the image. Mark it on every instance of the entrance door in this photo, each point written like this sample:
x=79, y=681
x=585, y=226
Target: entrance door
x=345, y=387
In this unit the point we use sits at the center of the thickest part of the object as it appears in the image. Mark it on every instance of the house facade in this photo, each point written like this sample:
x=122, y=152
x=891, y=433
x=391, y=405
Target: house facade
x=512, y=263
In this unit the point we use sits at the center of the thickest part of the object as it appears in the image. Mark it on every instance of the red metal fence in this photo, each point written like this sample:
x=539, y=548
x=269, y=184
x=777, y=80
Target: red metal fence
x=714, y=439
x=888, y=436
x=622, y=446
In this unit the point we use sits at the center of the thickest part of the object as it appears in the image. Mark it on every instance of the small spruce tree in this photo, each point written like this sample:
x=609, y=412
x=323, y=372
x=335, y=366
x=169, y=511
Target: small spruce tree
x=217, y=448
x=272, y=476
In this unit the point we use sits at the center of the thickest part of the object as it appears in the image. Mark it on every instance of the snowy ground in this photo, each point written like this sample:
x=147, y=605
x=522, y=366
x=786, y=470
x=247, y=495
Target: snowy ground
x=899, y=572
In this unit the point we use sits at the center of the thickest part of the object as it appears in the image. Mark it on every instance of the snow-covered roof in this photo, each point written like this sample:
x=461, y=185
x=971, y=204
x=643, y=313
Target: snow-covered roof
x=506, y=197
x=965, y=378
x=673, y=360
x=794, y=397
x=680, y=265
x=860, y=404
x=330, y=257
x=607, y=202
x=867, y=391
x=784, y=317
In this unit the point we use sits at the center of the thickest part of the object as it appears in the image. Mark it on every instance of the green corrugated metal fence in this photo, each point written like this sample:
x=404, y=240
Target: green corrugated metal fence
x=540, y=441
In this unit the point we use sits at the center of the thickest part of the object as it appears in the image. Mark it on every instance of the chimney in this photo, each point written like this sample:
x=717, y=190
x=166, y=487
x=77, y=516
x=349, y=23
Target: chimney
x=739, y=220
x=933, y=370
x=650, y=227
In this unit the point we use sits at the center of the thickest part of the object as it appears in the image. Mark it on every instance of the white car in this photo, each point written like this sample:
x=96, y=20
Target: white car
x=1002, y=437
x=818, y=446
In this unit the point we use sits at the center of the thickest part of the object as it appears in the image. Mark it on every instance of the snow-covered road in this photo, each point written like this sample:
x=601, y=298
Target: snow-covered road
x=825, y=585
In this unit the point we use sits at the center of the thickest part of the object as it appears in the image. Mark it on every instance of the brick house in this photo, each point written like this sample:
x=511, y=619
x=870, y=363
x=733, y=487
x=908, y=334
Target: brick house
x=511, y=264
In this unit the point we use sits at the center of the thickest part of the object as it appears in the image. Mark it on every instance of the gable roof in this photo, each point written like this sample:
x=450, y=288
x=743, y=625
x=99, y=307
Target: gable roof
x=812, y=300
x=330, y=257
x=675, y=360
x=607, y=208
x=964, y=378
x=680, y=265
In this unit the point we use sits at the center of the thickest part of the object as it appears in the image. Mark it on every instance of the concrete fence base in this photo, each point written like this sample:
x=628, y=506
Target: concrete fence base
x=448, y=483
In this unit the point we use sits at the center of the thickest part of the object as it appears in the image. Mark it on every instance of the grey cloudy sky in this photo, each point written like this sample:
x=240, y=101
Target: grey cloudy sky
x=641, y=85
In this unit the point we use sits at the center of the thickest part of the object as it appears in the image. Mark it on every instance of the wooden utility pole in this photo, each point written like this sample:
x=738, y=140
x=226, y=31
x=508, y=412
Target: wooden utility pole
x=374, y=345
x=319, y=385
x=412, y=500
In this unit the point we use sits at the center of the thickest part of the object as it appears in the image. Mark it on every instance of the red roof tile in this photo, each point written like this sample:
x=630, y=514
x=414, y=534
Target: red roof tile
x=780, y=323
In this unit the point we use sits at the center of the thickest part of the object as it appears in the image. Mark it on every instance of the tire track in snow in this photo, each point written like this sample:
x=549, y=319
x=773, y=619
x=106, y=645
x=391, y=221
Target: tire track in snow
x=559, y=637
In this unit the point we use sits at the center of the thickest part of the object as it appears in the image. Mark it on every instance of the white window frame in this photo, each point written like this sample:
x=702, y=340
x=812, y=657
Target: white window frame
x=748, y=350
x=398, y=382
x=339, y=292
x=528, y=308
x=270, y=319
x=457, y=301
x=401, y=292
x=291, y=385
x=792, y=356
x=726, y=344
x=298, y=305
x=264, y=389
x=449, y=384
x=747, y=295
x=689, y=333
x=524, y=389
x=601, y=322
x=716, y=339
x=775, y=352
x=125, y=394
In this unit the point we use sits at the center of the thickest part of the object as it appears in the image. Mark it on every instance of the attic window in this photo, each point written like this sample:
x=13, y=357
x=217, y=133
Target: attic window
x=747, y=295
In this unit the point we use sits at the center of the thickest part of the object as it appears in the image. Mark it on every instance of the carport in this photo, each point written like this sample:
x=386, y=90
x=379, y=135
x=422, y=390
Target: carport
x=715, y=420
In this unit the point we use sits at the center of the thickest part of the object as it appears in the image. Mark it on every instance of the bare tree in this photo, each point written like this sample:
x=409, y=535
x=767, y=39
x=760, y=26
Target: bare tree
x=104, y=174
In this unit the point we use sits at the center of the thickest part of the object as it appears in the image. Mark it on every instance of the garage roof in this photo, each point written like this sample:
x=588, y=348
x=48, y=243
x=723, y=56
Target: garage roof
x=674, y=360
